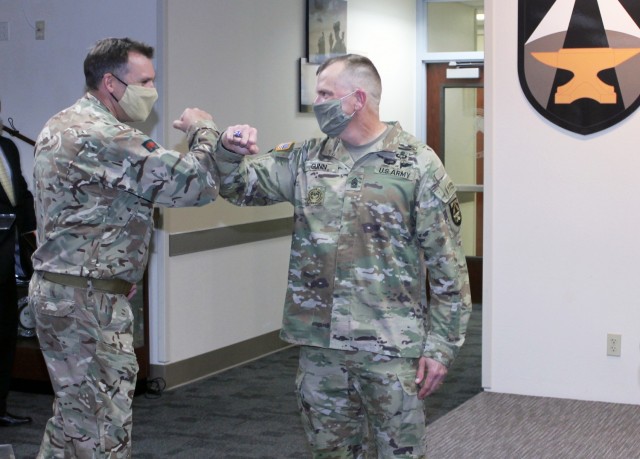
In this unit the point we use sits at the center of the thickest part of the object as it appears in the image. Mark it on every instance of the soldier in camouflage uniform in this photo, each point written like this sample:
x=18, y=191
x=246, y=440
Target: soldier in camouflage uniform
x=97, y=180
x=374, y=212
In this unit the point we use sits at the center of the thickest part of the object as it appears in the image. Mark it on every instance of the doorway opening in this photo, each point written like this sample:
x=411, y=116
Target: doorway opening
x=455, y=130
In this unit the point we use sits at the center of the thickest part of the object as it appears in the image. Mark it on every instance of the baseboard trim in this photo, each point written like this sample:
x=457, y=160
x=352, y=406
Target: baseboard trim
x=202, y=366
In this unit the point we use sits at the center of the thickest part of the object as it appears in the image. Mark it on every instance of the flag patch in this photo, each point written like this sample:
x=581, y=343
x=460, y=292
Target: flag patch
x=287, y=146
x=150, y=145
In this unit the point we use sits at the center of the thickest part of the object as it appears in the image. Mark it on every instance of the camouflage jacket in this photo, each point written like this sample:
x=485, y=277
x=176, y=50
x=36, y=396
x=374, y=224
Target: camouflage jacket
x=96, y=182
x=364, y=235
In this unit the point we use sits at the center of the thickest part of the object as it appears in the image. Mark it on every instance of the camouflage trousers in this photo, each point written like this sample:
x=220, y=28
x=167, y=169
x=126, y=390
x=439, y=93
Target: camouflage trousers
x=86, y=338
x=359, y=404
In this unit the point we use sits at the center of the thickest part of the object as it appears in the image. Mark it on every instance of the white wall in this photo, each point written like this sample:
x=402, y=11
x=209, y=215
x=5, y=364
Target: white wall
x=247, y=72
x=239, y=60
x=38, y=78
x=385, y=32
x=561, y=245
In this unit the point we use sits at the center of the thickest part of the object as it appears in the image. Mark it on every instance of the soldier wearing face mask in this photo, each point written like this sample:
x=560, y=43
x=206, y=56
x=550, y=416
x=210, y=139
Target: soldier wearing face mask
x=374, y=212
x=97, y=180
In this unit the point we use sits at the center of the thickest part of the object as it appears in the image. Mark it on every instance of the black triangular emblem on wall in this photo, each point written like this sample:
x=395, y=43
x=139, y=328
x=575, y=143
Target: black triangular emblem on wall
x=579, y=60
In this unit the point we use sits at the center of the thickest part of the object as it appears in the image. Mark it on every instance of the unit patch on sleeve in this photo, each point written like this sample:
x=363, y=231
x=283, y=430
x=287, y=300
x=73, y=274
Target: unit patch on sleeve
x=455, y=212
x=150, y=145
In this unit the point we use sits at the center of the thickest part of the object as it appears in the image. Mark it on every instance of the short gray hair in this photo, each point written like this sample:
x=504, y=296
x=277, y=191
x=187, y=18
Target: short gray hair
x=360, y=71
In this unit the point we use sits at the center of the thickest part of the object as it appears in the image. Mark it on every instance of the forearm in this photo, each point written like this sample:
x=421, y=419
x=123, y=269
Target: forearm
x=252, y=180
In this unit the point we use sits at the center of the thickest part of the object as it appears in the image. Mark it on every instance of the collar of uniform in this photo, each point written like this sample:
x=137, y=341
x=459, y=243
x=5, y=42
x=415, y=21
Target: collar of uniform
x=391, y=142
x=391, y=145
x=332, y=148
x=335, y=148
x=93, y=99
x=90, y=98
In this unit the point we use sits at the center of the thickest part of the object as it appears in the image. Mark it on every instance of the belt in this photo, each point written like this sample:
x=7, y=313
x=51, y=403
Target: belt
x=116, y=286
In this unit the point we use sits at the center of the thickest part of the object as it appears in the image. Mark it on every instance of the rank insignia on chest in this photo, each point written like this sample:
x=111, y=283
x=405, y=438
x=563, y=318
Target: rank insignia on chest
x=315, y=196
x=150, y=145
x=354, y=183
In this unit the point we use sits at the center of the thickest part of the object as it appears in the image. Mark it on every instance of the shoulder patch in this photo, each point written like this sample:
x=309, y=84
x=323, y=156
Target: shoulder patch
x=455, y=212
x=150, y=145
x=443, y=187
x=287, y=146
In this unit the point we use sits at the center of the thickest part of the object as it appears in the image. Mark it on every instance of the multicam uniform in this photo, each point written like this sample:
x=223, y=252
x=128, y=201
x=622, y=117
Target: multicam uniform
x=96, y=182
x=363, y=234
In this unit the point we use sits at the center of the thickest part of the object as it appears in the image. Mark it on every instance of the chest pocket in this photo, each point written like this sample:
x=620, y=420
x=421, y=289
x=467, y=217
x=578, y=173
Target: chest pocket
x=390, y=192
x=397, y=184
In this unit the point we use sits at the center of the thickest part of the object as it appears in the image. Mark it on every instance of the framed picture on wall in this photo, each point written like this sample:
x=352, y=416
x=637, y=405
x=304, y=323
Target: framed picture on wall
x=326, y=29
x=307, y=85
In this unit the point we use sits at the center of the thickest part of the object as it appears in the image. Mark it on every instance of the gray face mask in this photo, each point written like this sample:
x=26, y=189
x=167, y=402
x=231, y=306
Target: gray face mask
x=331, y=119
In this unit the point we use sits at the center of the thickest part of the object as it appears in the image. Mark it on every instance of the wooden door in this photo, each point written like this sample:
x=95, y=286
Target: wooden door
x=455, y=130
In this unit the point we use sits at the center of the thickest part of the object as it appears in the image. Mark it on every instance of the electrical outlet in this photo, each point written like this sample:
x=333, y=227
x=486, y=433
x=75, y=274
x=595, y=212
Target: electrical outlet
x=39, y=30
x=614, y=344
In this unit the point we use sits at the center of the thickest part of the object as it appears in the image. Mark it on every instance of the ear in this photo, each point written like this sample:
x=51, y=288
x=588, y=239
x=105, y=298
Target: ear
x=108, y=81
x=361, y=99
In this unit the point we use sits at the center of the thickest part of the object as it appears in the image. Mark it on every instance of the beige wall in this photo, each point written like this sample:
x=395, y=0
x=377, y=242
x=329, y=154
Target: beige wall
x=239, y=60
x=248, y=73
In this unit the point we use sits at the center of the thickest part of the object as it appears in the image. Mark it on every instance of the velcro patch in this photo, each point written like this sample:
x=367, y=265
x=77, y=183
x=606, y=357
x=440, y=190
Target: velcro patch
x=443, y=188
x=150, y=145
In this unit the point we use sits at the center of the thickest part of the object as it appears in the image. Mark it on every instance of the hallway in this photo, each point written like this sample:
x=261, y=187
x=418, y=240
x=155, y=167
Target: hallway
x=247, y=412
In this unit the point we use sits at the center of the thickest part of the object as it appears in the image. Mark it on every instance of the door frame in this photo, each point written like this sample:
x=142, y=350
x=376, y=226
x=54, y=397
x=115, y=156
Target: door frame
x=436, y=84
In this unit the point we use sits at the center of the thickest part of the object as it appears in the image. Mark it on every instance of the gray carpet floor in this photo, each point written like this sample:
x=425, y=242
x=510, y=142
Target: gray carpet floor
x=245, y=412
x=505, y=426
